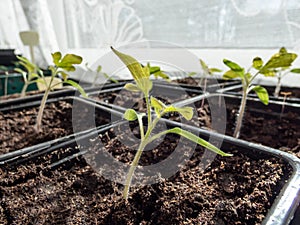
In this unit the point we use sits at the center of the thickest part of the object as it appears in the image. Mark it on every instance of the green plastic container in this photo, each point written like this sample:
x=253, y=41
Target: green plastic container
x=13, y=83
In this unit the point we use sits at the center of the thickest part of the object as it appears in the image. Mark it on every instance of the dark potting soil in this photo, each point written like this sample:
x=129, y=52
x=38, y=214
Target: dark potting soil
x=129, y=99
x=18, y=95
x=198, y=81
x=263, y=128
x=279, y=133
x=17, y=127
x=232, y=190
x=294, y=92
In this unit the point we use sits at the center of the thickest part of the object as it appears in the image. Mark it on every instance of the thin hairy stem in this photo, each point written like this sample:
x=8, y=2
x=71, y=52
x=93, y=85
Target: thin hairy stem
x=5, y=83
x=38, y=124
x=23, y=92
x=240, y=115
x=132, y=168
x=144, y=141
x=278, y=87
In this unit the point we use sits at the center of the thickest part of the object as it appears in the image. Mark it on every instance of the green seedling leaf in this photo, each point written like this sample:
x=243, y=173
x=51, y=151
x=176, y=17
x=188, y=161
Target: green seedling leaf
x=130, y=115
x=67, y=62
x=56, y=56
x=156, y=71
x=192, y=137
x=140, y=75
x=214, y=70
x=257, y=63
x=296, y=70
x=268, y=72
x=99, y=68
x=279, y=60
x=282, y=50
x=230, y=74
x=30, y=67
x=262, y=94
x=191, y=74
x=132, y=87
x=157, y=105
x=153, y=69
x=146, y=70
x=203, y=64
x=232, y=65
x=207, y=70
x=110, y=78
x=64, y=75
x=186, y=112
x=70, y=59
x=162, y=75
x=77, y=86
x=18, y=70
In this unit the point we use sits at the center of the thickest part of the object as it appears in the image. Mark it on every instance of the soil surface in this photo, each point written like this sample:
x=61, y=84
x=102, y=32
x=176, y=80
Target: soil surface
x=279, y=133
x=17, y=126
x=129, y=99
x=293, y=92
x=18, y=95
x=197, y=81
x=232, y=190
x=259, y=126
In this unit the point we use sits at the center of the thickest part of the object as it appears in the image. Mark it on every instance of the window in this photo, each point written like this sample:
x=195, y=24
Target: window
x=189, y=23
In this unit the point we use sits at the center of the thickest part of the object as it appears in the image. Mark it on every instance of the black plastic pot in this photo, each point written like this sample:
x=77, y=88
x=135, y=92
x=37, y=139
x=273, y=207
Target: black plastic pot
x=38, y=96
x=237, y=91
x=7, y=57
x=64, y=92
x=83, y=121
x=282, y=209
x=296, y=219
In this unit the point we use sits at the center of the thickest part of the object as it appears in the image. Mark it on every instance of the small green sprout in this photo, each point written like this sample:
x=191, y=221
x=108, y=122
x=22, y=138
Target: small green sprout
x=207, y=71
x=99, y=73
x=144, y=84
x=61, y=66
x=281, y=71
x=32, y=74
x=236, y=71
x=157, y=72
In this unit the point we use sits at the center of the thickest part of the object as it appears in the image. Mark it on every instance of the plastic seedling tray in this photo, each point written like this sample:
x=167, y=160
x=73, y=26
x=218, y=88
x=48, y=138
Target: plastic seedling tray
x=83, y=117
x=280, y=212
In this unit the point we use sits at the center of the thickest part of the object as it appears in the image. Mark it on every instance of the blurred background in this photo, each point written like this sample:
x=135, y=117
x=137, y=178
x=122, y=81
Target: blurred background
x=212, y=30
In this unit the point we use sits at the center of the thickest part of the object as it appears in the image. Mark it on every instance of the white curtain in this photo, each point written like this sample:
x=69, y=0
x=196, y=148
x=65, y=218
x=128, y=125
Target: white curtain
x=101, y=23
x=190, y=23
x=12, y=20
x=22, y=15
